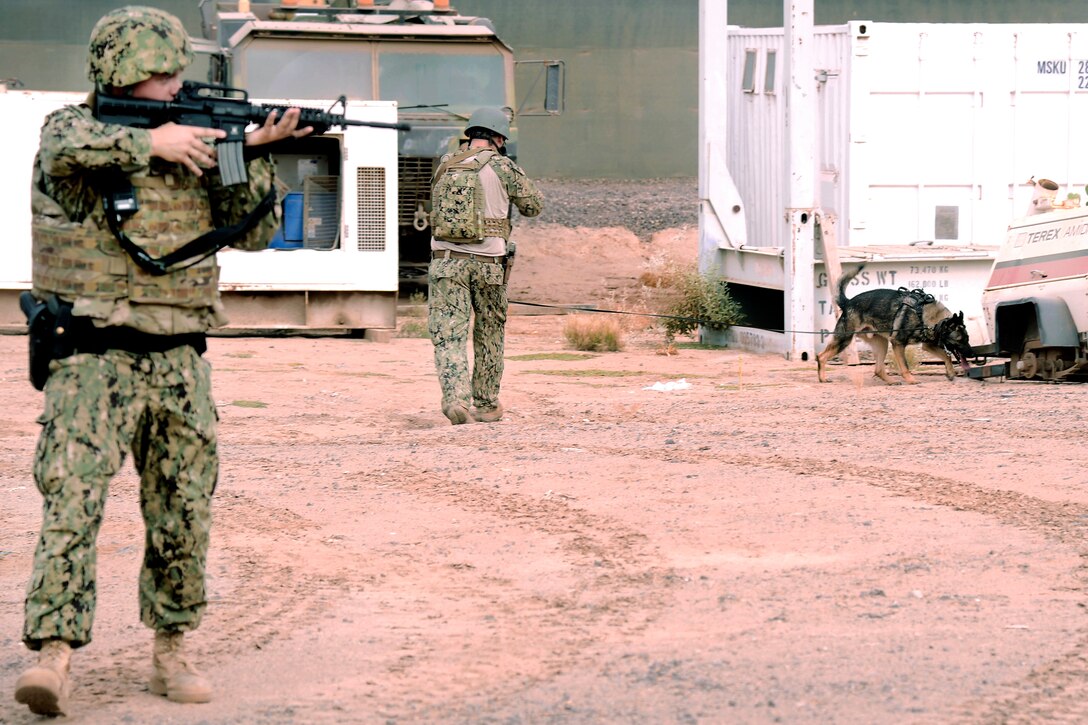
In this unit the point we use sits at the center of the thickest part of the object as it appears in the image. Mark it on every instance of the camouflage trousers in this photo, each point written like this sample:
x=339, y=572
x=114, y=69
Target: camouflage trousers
x=97, y=408
x=464, y=291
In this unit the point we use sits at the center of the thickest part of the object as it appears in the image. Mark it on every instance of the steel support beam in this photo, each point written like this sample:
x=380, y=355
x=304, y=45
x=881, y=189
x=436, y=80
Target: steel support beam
x=800, y=176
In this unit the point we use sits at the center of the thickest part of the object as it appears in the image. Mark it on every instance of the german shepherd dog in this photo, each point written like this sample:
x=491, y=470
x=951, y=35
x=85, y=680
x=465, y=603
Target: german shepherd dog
x=902, y=317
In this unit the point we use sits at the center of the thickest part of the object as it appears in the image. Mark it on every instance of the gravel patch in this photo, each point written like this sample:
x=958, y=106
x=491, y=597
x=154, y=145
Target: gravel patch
x=644, y=206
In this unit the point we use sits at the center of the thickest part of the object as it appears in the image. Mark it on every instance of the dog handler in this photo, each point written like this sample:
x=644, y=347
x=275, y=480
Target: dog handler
x=467, y=275
x=134, y=379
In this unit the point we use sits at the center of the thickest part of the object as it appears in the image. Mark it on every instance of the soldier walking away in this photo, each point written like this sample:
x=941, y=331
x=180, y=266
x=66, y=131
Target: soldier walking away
x=120, y=358
x=471, y=255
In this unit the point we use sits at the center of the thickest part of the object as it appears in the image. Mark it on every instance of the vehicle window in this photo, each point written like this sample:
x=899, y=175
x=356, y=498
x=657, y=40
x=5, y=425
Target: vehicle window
x=465, y=82
x=287, y=68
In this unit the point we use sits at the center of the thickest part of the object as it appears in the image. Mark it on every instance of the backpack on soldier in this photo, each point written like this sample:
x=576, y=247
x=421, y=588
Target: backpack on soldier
x=457, y=199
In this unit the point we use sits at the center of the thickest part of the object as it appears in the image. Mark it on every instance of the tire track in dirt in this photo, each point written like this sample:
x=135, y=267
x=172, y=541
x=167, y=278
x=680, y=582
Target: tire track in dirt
x=621, y=582
x=263, y=598
x=1056, y=691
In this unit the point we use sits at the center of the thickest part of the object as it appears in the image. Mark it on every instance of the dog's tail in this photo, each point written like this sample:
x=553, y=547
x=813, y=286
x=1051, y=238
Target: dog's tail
x=846, y=279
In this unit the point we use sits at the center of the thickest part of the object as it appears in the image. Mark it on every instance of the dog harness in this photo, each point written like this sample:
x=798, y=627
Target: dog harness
x=914, y=298
x=936, y=335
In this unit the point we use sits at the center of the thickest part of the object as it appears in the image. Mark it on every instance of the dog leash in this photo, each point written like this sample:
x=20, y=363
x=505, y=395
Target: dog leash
x=590, y=308
x=699, y=320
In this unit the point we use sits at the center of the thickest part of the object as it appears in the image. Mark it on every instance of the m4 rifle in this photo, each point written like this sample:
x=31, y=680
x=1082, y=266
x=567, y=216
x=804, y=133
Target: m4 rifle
x=222, y=107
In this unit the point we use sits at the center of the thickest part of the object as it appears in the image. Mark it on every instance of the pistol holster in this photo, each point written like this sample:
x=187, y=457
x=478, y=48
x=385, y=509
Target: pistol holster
x=51, y=333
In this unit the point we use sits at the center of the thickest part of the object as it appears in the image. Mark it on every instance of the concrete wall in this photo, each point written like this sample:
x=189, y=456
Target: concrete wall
x=631, y=65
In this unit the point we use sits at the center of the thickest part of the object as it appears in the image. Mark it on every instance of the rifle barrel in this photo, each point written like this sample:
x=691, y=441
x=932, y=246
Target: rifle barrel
x=379, y=124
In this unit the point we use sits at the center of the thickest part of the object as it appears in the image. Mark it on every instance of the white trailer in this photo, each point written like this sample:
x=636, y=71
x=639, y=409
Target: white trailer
x=906, y=146
x=337, y=273
x=1036, y=299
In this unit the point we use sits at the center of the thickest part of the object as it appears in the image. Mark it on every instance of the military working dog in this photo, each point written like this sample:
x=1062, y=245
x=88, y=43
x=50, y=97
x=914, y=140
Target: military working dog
x=901, y=317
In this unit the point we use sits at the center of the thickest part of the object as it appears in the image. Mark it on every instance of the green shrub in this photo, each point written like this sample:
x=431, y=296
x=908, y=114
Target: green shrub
x=699, y=299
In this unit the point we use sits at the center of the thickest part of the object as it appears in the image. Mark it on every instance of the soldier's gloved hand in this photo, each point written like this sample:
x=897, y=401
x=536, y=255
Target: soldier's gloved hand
x=187, y=145
x=273, y=130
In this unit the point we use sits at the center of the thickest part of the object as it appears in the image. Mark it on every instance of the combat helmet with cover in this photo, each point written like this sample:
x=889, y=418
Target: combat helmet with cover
x=134, y=43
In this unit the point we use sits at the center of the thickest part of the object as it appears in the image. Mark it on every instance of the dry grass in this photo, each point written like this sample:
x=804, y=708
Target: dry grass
x=593, y=333
x=412, y=318
x=637, y=303
x=413, y=327
x=661, y=272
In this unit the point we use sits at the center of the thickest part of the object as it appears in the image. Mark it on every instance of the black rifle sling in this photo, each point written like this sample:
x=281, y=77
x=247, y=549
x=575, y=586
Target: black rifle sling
x=201, y=247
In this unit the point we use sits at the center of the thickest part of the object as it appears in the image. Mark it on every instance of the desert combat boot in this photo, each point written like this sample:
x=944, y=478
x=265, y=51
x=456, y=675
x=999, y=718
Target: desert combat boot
x=173, y=675
x=44, y=688
x=458, y=414
x=493, y=415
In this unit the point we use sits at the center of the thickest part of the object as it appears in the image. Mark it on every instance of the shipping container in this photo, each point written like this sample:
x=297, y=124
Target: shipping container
x=926, y=140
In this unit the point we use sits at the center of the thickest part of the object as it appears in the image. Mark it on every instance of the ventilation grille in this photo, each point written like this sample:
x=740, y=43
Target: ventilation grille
x=321, y=212
x=414, y=186
x=371, y=222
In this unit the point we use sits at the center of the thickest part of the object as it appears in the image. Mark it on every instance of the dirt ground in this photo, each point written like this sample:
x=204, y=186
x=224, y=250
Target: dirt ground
x=748, y=547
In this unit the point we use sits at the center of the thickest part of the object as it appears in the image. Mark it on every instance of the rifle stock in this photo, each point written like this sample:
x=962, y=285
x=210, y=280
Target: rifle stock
x=222, y=107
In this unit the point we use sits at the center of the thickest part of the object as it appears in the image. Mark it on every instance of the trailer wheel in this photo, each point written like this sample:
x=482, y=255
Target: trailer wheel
x=1024, y=365
x=1053, y=365
x=1047, y=364
x=1056, y=367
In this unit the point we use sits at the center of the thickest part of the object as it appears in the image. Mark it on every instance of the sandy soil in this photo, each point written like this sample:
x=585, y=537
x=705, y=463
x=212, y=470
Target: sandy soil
x=754, y=548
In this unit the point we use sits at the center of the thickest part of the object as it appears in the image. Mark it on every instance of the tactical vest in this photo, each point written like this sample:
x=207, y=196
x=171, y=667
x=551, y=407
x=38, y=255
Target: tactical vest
x=85, y=260
x=457, y=200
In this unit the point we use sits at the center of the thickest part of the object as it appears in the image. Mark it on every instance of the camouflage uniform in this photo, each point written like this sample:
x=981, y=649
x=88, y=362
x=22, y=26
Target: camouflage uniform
x=155, y=402
x=461, y=288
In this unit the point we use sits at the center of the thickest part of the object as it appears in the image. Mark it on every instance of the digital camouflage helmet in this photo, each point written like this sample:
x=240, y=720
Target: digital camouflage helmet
x=492, y=119
x=131, y=44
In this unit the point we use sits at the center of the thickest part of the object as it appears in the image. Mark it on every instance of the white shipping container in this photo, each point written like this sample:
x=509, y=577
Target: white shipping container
x=925, y=132
x=926, y=141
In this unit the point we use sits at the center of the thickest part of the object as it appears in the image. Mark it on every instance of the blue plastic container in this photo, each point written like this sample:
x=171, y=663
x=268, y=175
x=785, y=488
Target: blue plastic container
x=278, y=242
x=292, y=217
x=289, y=236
